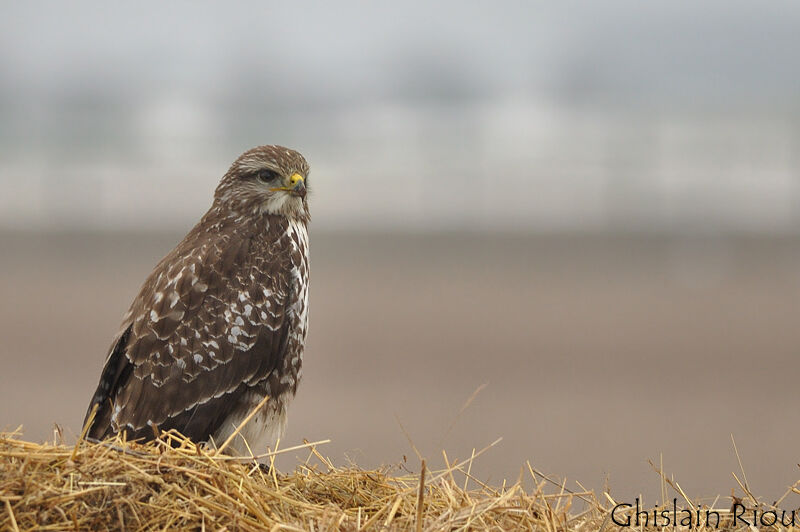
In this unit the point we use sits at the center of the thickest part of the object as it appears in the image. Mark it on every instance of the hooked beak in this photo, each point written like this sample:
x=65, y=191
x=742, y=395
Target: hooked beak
x=297, y=186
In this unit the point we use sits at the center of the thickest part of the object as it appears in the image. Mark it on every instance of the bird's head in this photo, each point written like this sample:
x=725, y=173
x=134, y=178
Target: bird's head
x=266, y=180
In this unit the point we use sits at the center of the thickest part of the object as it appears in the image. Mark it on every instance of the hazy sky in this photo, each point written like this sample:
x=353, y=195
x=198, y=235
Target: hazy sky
x=600, y=113
x=346, y=50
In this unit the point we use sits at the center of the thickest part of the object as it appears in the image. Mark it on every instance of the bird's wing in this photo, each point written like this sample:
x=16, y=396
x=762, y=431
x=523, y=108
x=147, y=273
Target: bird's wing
x=209, y=323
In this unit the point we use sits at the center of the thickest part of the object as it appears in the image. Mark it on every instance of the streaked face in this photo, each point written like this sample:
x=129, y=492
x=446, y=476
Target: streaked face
x=267, y=180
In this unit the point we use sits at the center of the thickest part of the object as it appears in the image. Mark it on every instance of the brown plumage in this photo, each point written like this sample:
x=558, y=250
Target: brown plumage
x=222, y=319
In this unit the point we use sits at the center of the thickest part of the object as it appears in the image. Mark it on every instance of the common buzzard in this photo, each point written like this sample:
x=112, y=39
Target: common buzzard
x=221, y=321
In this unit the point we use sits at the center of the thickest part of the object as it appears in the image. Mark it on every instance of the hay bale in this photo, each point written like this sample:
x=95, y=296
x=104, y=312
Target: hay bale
x=174, y=484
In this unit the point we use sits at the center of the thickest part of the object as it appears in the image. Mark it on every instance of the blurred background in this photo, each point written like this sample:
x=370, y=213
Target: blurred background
x=590, y=208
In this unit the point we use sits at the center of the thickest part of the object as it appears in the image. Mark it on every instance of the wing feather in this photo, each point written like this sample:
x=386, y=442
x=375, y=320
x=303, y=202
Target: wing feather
x=209, y=323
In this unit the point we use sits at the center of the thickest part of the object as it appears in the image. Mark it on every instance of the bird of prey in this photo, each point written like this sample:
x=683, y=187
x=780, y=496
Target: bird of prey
x=221, y=321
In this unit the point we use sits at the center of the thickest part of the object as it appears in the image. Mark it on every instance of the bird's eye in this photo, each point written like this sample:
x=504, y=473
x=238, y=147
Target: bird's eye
x=265, y=176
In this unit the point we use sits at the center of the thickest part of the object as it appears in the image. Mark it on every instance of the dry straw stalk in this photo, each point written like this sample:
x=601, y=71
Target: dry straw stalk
x=173, y=484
